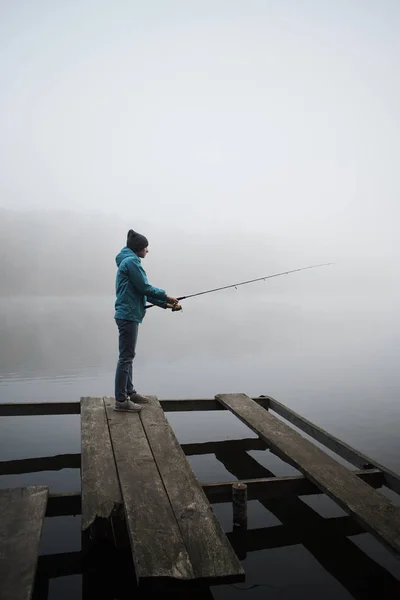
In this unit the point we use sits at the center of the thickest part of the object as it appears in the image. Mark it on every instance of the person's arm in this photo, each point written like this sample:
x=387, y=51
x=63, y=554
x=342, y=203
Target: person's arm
x=138, y=277
x=161, y=303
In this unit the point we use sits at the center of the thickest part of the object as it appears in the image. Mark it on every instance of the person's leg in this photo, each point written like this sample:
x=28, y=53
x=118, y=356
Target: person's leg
x=130, y=388
x=132, y=393
x=127, y=342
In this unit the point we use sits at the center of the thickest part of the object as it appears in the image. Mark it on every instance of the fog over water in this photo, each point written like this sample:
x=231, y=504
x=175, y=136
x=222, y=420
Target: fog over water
x=242, y=139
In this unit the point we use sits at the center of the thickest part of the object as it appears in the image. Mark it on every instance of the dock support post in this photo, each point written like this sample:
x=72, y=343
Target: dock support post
x=239, y=505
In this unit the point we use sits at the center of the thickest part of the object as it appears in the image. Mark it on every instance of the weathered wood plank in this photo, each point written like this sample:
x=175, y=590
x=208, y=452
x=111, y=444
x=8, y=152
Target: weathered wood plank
x=41, y=463
x=353, y=456
x=18, y=409
x=370, y=508
x=279, y=487
x=101, y=494
x=22, y=513
x=157, y=545
x=195, y=404
x=14, y=409
x=212, y=556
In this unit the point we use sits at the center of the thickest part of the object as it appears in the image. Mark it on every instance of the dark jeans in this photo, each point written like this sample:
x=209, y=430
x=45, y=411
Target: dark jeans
x=128, y=332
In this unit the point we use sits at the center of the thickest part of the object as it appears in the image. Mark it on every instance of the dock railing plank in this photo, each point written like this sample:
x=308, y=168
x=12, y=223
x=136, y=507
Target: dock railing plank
x=370, y=508
x=156, y=541
x=22, y=513
x=211, y=554
x=101, y=494
x=353, y=456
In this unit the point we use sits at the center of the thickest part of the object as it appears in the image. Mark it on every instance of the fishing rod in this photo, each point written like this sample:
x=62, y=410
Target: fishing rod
x=236, y=285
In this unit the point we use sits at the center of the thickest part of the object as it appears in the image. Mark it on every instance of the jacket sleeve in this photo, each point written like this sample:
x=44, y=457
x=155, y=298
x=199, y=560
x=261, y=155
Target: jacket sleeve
x=139, y=280
x=153, y=300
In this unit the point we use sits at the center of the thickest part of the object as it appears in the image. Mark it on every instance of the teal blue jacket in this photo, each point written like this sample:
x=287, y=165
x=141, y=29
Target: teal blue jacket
x=133, y=289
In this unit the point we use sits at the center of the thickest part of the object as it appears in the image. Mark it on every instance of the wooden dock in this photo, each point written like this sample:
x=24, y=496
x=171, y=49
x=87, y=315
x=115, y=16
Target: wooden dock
x=22, y=514
x=146, y=472
x=140, y=496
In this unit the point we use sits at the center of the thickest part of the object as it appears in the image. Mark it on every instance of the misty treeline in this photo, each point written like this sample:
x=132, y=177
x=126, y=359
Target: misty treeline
x=51, y=253
x=65, y=253
x=54, y=253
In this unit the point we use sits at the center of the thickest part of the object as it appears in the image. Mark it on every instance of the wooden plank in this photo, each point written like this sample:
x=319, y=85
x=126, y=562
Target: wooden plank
x=18, y=409
x=392, y=480
x=370, y=508
x=42, y=463
x=231, y=445
x=22, y=513
x=157, y=545
x=212, y=556
x=279, y=487
x=101, y=494
x=198, y=404
x=13, y=409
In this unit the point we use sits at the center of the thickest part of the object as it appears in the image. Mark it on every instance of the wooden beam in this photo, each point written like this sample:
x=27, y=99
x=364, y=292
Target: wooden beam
x=354, y=457
x=191, y=404
x=373, y=510
x=43, y=463
x=17, y=409
x=14, y=409
x=73, y=461
x=69, y=503
x=243, y=445
x=22, y=513
x=210, y=553
x=279, y=487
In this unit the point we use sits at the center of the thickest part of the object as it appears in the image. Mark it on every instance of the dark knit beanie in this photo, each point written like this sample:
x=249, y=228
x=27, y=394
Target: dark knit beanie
x=135, y=241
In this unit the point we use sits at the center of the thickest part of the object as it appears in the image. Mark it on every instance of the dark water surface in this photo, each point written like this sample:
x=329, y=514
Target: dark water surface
x=335, y=362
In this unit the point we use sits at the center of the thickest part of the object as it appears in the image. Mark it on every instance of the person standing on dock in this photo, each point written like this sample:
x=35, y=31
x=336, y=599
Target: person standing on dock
x=132, y=291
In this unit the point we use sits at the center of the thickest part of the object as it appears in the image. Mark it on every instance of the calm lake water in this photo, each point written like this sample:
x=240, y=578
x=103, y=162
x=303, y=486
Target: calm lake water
x=334, y=359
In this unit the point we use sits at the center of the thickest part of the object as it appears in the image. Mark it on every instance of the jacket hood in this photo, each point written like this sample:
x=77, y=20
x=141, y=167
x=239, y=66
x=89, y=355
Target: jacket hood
x=125, y=253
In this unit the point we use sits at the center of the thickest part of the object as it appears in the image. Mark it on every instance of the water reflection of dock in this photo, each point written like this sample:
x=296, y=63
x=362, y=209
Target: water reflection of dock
x=147, y=521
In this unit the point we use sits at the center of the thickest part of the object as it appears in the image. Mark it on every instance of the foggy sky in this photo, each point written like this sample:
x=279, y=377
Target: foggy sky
x=258, y=118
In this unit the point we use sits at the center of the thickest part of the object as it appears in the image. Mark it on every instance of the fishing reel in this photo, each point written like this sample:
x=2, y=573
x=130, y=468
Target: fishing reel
x=175, y=307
